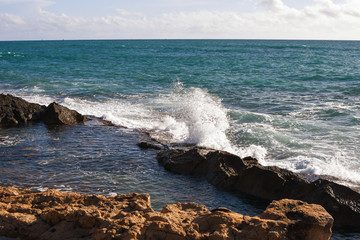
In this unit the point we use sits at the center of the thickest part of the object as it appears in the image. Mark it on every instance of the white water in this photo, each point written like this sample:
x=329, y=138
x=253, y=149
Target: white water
x=312, y=147
x=182, y=116
x=192, y=115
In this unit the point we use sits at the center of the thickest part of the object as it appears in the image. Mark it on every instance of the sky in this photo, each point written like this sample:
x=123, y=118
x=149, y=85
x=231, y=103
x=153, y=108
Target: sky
x=179, y=19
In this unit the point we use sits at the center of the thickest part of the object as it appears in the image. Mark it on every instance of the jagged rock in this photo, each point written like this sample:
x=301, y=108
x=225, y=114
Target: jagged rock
x=14, y=110
x=56, y=114
x=54, y=215
x=230, y=172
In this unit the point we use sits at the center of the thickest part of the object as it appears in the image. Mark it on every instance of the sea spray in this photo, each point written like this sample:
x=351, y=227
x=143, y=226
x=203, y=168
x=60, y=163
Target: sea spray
x=202, y=116
x=193, y=115
x=183, y=115
x=301, y=145
x=298, y=110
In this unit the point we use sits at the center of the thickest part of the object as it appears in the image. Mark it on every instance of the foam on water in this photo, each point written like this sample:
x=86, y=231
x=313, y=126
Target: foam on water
x=183, y=115
x=192, y=115
x=187, y=115
x=309, y=146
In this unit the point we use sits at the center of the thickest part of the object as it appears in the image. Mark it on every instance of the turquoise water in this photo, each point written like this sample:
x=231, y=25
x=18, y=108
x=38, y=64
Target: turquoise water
x=293, y=104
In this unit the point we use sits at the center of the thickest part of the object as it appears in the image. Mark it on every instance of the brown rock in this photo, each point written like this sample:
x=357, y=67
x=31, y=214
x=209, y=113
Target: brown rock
x=313, y=221
x=54, y=215
x=56, y=114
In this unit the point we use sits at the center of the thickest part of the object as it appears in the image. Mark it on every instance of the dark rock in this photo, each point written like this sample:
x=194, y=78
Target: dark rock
x=342, y=202
x=56, y=114
x=14, y=111
x=230, y=172
x=192, y=162
x=152, y=145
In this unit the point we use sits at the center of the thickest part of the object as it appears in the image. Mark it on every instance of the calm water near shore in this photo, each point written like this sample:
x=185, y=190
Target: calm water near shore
x=102, y=160
x=293, y=104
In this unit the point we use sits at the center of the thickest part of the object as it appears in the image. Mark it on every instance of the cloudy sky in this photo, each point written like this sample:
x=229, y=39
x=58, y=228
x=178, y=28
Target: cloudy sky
x=189, y=19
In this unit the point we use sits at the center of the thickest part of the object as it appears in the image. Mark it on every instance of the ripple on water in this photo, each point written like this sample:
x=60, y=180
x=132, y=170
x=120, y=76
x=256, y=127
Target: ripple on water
x=103, y=160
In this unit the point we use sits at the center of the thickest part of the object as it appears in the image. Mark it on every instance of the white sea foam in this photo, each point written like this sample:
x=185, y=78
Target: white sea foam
x=302, y=145
x=193, y=115
x=184, y=115
x=188, y=115
x=327, y=167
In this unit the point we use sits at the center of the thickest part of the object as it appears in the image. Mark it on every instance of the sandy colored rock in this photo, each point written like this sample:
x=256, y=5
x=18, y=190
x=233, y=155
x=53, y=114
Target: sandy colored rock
x=54, y=215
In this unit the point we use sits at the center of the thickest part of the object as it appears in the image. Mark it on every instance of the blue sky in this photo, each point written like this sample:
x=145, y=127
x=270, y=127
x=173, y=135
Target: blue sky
x=167, y=19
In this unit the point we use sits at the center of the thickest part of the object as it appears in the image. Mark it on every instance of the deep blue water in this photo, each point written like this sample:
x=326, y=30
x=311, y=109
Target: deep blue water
x=294, y=104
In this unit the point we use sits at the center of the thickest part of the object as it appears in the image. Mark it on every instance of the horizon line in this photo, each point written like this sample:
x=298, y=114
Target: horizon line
x=177, y=39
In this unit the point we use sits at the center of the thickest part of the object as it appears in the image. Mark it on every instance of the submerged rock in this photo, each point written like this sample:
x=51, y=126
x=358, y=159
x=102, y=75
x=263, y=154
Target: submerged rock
x=230, y=172
x=54, y=215
x=14, y=111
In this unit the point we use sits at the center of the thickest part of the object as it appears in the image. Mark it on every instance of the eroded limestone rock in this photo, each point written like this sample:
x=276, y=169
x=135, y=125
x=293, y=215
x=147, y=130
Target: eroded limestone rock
x=54, y=215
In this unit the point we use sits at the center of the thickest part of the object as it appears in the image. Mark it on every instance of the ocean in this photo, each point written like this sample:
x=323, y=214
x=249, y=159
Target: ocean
x=292, y=104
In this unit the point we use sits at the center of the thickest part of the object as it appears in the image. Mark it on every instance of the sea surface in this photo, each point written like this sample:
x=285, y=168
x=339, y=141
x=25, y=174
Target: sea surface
x=292, y=104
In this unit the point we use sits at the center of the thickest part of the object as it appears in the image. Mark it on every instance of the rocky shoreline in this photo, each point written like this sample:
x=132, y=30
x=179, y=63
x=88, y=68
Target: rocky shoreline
x=54, y=215
x=232, y=173
x=223, y=170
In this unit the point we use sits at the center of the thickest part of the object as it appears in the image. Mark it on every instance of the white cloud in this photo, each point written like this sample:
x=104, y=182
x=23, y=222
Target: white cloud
x=8, y=20
x=324, y=19
x=273, y=5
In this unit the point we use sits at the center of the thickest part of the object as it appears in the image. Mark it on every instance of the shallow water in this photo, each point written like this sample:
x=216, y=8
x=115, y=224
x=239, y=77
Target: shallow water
x=97, y=159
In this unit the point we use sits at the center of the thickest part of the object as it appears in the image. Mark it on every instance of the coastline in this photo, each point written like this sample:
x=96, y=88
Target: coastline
x=251, y=163
x=55, y=215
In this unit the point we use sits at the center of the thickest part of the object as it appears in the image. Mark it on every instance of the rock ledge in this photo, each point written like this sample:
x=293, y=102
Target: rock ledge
x=54, y=215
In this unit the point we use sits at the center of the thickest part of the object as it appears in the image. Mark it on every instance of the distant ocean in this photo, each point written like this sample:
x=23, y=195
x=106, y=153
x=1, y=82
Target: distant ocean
x=293, y=104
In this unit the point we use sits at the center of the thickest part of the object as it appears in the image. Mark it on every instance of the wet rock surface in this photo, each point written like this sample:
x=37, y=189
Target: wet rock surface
x=56, y=114
x=230, y=172
x=15, y=111
x=54, y=215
